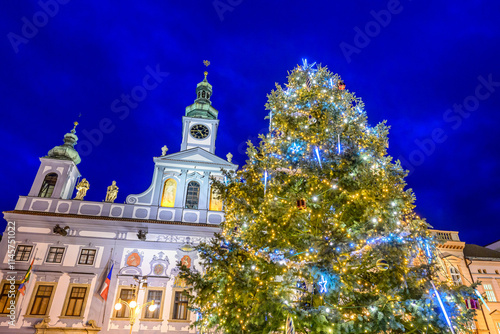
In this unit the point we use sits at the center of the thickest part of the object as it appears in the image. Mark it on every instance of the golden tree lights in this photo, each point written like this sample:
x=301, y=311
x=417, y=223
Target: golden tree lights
x=319, y=226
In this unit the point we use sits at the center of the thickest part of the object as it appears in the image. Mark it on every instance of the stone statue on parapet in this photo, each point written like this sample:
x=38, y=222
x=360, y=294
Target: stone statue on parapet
x=82, y=188
x=229, y=157
x=111, y=193
x=164, y=150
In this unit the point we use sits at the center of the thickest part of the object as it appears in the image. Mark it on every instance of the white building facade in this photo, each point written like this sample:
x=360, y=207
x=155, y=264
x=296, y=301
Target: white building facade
x=73, y=242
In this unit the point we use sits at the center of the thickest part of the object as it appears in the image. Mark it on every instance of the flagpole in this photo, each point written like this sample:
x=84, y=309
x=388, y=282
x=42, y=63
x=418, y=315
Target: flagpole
x=106, y=300
x=32, y=265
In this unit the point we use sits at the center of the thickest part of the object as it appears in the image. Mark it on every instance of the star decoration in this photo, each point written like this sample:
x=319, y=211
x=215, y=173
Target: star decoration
x=307, y=67
x=322, y=285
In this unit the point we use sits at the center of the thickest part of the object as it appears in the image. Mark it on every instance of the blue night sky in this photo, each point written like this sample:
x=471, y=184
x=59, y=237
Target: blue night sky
x=429, y=69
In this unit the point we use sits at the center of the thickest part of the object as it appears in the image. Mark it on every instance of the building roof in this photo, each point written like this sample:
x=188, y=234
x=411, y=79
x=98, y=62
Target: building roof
x=475, y=251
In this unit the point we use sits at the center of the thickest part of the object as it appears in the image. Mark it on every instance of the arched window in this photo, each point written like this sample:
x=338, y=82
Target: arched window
x=215, y=200
x=168, y=196
x=455, y=276
x=48, y=185
x=208, y=95
x=203, y=94
x=199, y=94
x=192, y=195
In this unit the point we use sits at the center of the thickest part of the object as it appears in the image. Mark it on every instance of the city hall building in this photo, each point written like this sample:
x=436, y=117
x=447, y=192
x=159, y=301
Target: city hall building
x=74, y=244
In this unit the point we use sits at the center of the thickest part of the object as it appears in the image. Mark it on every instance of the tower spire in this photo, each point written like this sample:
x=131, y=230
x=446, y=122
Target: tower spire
x=202, y=106
x=67, y=150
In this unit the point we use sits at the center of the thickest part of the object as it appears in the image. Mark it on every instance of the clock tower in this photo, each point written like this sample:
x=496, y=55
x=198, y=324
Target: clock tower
x=199, y=125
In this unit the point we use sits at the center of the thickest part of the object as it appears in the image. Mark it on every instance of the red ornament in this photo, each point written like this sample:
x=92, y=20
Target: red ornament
x=341, y=85
x=472, y=304
x=301, y=204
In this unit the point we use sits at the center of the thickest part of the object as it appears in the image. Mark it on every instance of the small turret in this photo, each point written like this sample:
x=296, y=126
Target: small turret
x=57, y=175
x=202, y=106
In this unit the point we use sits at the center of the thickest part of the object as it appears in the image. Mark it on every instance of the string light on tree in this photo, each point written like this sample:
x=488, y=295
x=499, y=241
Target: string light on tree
x=355, y=259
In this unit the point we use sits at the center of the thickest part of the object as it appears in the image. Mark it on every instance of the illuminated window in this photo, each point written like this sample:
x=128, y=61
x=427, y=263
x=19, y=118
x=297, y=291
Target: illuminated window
x=48, y=185
x=7, y=290
x=41, y=300
x=490, y=295
x=23, y=252
x=215, y=200
x=76, y=301
x=55, y=255
x=180, y=311
x=169, y=190
x=455, y=276
x=87, y=256
x=155, y=295
x=126, y=295
x=192, y=195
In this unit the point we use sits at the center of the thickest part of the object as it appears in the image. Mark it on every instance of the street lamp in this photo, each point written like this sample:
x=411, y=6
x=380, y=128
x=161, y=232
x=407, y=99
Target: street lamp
x=133, y=307
x=135, y=310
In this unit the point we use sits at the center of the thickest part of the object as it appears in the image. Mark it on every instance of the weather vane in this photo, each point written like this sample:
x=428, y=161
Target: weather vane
x=206, y=63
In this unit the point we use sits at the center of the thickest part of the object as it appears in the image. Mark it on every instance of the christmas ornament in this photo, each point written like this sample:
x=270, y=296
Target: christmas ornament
x=301, y=204
x=382, y=265
x=341, y=85
x=472, y=304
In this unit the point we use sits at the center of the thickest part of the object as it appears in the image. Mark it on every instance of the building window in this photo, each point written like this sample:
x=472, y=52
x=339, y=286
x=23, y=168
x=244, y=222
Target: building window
x=455, y=276
x=42, y=299
x=126, y=295
x=55, y=255
x=23, y=252
x=7, y=290
x=76, y=301
x=193, y=195
x=479, y=270
x=490, y=295
x=180, y=306
x=484, y=271
x=215, y=200
x=49, y=182
x=87, y=256
x=155, y=295
x=496, y=272
x=169, y=190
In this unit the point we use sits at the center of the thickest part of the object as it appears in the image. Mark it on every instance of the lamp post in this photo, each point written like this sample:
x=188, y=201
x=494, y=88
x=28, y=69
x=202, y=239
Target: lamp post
x=133, y=307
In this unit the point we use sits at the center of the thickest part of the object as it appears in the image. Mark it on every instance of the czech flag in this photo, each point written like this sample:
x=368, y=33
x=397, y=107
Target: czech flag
x=105, y=285
x=26, y=279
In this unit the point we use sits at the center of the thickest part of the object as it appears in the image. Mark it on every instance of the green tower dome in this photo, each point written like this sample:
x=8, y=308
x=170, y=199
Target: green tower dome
x=67, y=150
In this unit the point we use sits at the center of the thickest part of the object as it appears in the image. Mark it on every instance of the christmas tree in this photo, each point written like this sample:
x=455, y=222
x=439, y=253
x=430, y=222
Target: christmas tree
x=320, y=229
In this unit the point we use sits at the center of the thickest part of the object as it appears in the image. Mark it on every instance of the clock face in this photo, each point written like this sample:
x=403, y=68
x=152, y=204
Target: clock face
x=199, y=131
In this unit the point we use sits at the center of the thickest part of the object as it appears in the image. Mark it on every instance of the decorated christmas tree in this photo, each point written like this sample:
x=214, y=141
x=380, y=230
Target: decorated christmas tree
x=320, y=234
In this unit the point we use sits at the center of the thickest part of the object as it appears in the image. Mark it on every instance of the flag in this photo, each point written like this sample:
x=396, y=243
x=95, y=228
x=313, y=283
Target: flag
x=26, y=279
x=289, y=325
x=105, y=285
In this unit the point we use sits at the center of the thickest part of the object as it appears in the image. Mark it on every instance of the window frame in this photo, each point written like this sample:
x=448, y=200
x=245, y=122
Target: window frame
x=68, y=297
x=48, y=252
x=490, y=293
x=117, y=298
x=160, y=306
x=44, y=189
x=456, y=275
x=197, y=206
x=80, y=255
x=29, y=255
x=173, y=306
x=4, y=283
x=33, y=298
